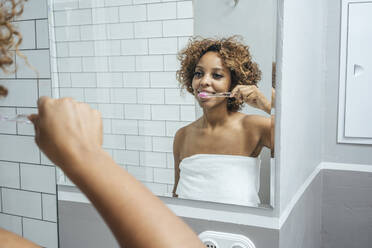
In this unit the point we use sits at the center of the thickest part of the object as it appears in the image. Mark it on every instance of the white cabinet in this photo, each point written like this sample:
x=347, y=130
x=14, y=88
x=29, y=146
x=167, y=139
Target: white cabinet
x=355, y=93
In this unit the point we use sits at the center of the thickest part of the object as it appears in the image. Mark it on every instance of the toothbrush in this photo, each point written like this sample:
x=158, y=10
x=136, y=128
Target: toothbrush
x=20, y=118
x=207, y=95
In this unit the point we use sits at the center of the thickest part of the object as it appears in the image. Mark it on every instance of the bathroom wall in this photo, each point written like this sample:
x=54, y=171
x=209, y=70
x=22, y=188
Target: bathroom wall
x=331, y=150
x=303, y=227
x=346, y=196
x=300, y=97
x=27, y=182
x=346, y=209
x=120, y=57
x=319, y=207
x=334, y=211
x=79, y=220
x=302, y=85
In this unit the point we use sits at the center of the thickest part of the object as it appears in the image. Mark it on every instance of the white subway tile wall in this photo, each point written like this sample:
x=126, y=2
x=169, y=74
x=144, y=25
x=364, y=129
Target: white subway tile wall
x=46, y=175
x=27, y=29
x=121, y=57
x=25, y=128
x=11, y=223
x=27, y=179
x=8, y=127
x=23, y=203
x=48, y=206
x=41, y=232
x=42, y=34
x=9, y=175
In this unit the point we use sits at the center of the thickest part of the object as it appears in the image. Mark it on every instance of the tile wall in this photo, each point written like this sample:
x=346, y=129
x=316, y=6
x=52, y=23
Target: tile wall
x=120, y=57
x=27, y=179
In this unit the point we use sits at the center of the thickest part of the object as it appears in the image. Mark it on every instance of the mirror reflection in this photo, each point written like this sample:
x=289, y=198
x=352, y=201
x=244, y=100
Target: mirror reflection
x=186, y=112
x=217, y=156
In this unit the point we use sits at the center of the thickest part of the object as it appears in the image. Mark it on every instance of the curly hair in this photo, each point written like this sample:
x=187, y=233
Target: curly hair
x=235, y=56
x=8, y=10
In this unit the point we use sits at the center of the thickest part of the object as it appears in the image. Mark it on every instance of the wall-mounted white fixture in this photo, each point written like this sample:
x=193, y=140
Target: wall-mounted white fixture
x=236, y=2
x=355, y=86
x=213, y=239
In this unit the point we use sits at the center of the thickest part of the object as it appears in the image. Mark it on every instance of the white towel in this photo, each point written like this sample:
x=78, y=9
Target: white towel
x=220, y=178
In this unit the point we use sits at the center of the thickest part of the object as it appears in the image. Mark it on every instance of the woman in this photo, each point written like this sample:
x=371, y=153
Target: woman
x=216, y=156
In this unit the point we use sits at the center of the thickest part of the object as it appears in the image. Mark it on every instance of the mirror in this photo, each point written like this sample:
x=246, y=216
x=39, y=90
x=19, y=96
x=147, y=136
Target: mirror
x=121, y=58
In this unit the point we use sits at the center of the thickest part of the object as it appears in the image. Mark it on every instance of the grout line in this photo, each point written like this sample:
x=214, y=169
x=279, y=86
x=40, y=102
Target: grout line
x=1, y=200
x=41, y=204
x=21, y=224
x=17, y=134
x=35, y=34
x=19, y=175
x=27, y=190
x=33, y=19
x=22, y=79
x=15, y=66
x=133, y=30
x=34, y=49
x=27, y=163
x=176, y=3
x=27, y=217
x=107, y=39
x=147, y=12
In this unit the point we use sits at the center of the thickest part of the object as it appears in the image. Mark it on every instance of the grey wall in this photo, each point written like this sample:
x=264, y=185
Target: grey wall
x=302, y=228
x=301, y=94
x=334, y=211
x=347, y=209
x=333, y=152
x=80, y=225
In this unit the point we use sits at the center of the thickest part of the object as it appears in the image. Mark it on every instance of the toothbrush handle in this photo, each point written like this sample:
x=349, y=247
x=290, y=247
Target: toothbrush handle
x=21, y=118
x=223, y=94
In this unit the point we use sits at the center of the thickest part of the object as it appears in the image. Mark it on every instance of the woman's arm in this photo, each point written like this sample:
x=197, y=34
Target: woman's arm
x=272, y=135
x=254, y=97
x=11, y=240
x=263, y=130
x=266, y=128
x=176, y=155
x=70, y=134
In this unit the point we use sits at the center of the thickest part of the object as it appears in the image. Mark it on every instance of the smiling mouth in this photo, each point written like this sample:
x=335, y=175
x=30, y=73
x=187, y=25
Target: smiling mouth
x=205, y=91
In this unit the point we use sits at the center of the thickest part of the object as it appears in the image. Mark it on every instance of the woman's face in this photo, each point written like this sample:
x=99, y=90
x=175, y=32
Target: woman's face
x=211, y=76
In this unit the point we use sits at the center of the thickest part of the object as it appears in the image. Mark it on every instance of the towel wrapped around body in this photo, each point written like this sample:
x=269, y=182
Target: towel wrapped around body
x=230, y=179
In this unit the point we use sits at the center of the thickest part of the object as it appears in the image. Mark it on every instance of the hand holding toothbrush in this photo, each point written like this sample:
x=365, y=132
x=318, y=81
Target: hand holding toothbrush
x=247, y=93
x=251, y=95
x=70, y=134
x=65, y=128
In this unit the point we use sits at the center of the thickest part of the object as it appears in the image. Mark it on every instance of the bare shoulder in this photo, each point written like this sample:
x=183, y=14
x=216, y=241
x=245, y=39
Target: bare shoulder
x=182, y=132
x=179, y=138
x=256, y=122
x=180, y=135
